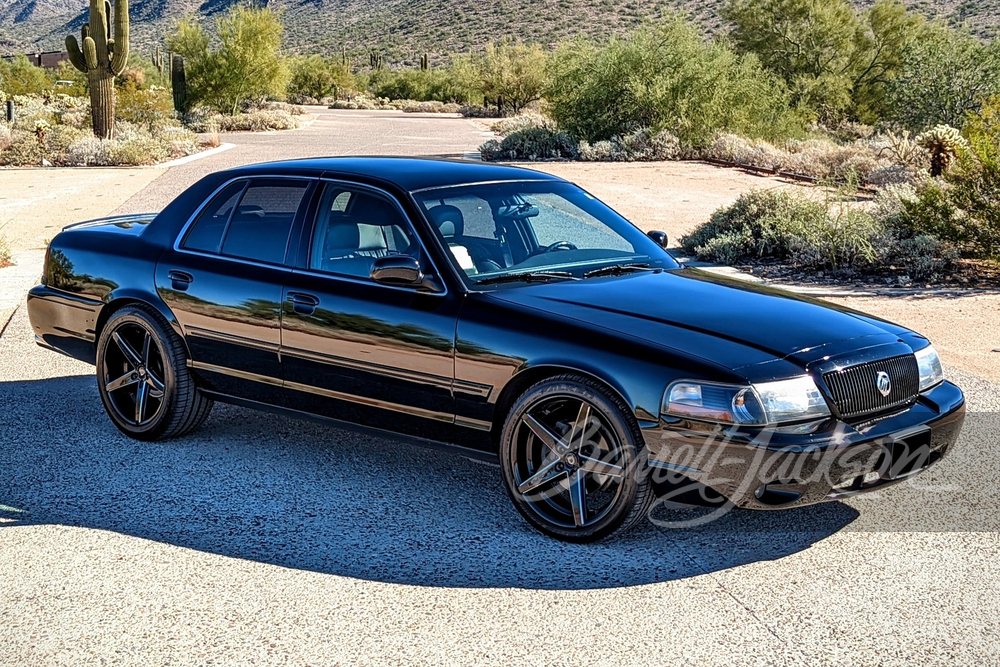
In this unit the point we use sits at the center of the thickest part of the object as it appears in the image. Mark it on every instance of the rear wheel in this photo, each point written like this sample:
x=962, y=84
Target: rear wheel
x=143, y=378
x=571, y=460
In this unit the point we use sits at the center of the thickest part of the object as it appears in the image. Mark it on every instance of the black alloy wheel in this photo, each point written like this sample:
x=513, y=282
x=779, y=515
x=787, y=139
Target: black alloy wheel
x=571, y=462
x=143, y=378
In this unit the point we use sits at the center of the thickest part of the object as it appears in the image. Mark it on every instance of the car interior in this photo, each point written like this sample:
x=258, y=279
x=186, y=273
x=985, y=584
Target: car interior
x=353, y=229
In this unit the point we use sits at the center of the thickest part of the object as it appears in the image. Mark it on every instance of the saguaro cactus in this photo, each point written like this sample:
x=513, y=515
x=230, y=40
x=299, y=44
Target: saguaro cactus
x=425, y=62
x=178, y=82
x=102, y=59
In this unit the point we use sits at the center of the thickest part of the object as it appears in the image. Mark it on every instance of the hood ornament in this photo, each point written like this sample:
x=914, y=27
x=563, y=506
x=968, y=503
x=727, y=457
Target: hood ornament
x=883, y=383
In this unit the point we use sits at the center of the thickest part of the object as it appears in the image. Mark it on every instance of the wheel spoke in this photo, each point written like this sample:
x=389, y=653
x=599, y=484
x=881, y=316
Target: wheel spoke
x=130, y=354
x=578, y=496
x=155, y=383
x=578, y=434
x=146, y=346
x=542, y=432
x=598, y=467
x=126, y=380
x=545, y=475
x=140, y=401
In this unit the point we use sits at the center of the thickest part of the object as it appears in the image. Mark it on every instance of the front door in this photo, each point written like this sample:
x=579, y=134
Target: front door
x=356, y=350
x=223, y=281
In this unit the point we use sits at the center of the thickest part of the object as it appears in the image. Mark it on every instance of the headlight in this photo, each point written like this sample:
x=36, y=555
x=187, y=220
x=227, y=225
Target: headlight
x=929, y=366
x=761, y=404
x=792, y=400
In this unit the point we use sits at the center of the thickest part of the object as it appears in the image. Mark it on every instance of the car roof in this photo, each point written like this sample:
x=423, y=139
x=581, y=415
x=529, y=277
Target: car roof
x=407, y=173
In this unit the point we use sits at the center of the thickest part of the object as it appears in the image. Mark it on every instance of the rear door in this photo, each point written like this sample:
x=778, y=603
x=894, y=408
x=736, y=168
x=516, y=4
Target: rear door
x=223, y=281
x=356, y=350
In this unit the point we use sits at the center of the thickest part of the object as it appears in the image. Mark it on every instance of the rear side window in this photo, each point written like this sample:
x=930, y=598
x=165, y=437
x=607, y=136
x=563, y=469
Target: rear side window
x=206, y=233
x=262, y=221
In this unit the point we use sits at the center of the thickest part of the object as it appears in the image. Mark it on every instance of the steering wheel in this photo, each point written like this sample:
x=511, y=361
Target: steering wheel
x=560, y=245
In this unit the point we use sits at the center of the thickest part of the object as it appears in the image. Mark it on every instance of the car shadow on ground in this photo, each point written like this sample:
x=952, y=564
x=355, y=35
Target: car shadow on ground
x=276, y=490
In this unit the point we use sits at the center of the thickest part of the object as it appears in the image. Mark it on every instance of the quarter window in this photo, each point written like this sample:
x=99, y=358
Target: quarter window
x=260, y=225
x=206, y=233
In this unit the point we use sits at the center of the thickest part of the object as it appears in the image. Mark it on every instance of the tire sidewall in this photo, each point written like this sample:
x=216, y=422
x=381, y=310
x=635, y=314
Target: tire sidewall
x=134, y=315
x=610, y=523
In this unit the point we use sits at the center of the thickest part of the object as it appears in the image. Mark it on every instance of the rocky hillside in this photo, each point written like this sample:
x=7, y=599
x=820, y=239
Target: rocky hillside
x=405, y=28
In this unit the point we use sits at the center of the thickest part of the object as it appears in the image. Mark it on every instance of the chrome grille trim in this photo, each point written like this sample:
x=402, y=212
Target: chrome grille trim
x=853, y=389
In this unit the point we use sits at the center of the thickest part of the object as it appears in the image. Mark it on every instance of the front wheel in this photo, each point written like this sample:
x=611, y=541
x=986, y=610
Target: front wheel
x=571, y=460
x=143, y=378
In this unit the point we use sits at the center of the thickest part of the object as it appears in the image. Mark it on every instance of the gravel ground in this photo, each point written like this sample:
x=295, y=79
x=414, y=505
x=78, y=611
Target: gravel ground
x=264, y=540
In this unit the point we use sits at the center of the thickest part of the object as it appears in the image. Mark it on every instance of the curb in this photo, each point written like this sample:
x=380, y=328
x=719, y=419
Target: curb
x=191, y=158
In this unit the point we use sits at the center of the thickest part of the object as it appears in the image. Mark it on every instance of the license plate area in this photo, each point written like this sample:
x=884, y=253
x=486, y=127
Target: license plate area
x=906, y=454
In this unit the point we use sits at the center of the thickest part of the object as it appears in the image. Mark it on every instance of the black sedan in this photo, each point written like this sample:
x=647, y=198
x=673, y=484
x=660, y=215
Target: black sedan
x=500, y=311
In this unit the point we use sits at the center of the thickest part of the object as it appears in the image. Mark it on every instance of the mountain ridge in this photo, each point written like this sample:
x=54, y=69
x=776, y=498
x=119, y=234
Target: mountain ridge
x=404, y=29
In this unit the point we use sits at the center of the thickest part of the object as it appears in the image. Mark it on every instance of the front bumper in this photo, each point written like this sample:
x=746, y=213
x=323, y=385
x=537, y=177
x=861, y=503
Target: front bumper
x=784, y=467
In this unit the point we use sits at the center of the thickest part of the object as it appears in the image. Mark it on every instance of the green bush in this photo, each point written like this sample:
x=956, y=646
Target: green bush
x=643, y=145
x=151, y=106
x=247, y=65
x=317, y=77
x=832, y=234
x=666, y=77
x=533, y=143
x=944, y=76
x=20, y=77
x=440, y=85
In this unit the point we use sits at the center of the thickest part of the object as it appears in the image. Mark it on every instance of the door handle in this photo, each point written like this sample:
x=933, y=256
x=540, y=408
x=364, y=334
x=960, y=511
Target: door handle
x=180, y=280
x=303, y=304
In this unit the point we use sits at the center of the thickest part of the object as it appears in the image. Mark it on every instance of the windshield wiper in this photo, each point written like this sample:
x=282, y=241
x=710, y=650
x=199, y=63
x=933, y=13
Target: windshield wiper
x=528, y=277
x=617, y=270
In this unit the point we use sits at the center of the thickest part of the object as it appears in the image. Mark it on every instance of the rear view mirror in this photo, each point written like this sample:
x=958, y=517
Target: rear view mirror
x=660, y=238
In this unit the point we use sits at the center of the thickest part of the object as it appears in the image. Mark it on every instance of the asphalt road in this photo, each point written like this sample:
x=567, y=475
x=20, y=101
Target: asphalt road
x=265, y=540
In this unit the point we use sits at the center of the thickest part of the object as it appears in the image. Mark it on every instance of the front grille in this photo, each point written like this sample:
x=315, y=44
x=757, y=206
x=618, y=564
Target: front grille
x=854, y=389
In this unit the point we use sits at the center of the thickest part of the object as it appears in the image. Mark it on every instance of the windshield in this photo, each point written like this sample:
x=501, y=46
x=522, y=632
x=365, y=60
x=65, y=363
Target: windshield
x=506, y=229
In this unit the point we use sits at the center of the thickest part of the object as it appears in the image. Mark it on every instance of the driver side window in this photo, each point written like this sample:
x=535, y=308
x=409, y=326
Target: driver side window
x=354, y=227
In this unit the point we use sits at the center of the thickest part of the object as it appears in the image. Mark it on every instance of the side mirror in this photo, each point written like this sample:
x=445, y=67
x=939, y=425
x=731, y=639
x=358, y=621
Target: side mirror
x=660, y=238
x=404, y=271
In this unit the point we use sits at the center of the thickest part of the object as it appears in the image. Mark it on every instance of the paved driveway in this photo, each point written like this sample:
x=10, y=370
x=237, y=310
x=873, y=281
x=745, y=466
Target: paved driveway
x=265, y=540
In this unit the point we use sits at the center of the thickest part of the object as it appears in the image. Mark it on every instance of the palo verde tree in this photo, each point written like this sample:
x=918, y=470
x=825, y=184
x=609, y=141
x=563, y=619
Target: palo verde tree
x=102, y=58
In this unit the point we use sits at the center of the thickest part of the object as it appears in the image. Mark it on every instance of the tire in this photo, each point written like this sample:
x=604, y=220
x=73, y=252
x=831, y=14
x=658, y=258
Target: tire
x=572, y=460
x=143, y=378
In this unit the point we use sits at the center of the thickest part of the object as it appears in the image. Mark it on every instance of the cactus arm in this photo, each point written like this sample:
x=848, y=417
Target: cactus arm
x=90, y=53
x=75, y=54
x=120, y=57
x=98, y=31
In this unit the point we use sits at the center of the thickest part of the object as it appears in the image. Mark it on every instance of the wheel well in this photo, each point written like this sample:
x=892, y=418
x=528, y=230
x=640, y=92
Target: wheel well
x=520, y=383
x=114, y=306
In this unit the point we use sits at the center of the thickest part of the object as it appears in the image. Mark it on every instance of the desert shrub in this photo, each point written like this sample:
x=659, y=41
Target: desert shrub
x=413, y=106
x=758, y=224
x=830, y=234
x=315, y=77
x=152, y=106
x=199, y=120
x=535, y=143
x=20, y=77
x=666, y=77
x=822, y=159
x=5, y=136
x=508, y=74
x=246, y=65
x=640, y=146
x=522, y=121
x=24, y=150
x=441, y=85
x=477, y=111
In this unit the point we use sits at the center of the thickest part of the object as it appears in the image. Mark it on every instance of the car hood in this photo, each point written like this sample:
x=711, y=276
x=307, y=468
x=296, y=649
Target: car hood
x=730, y=322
